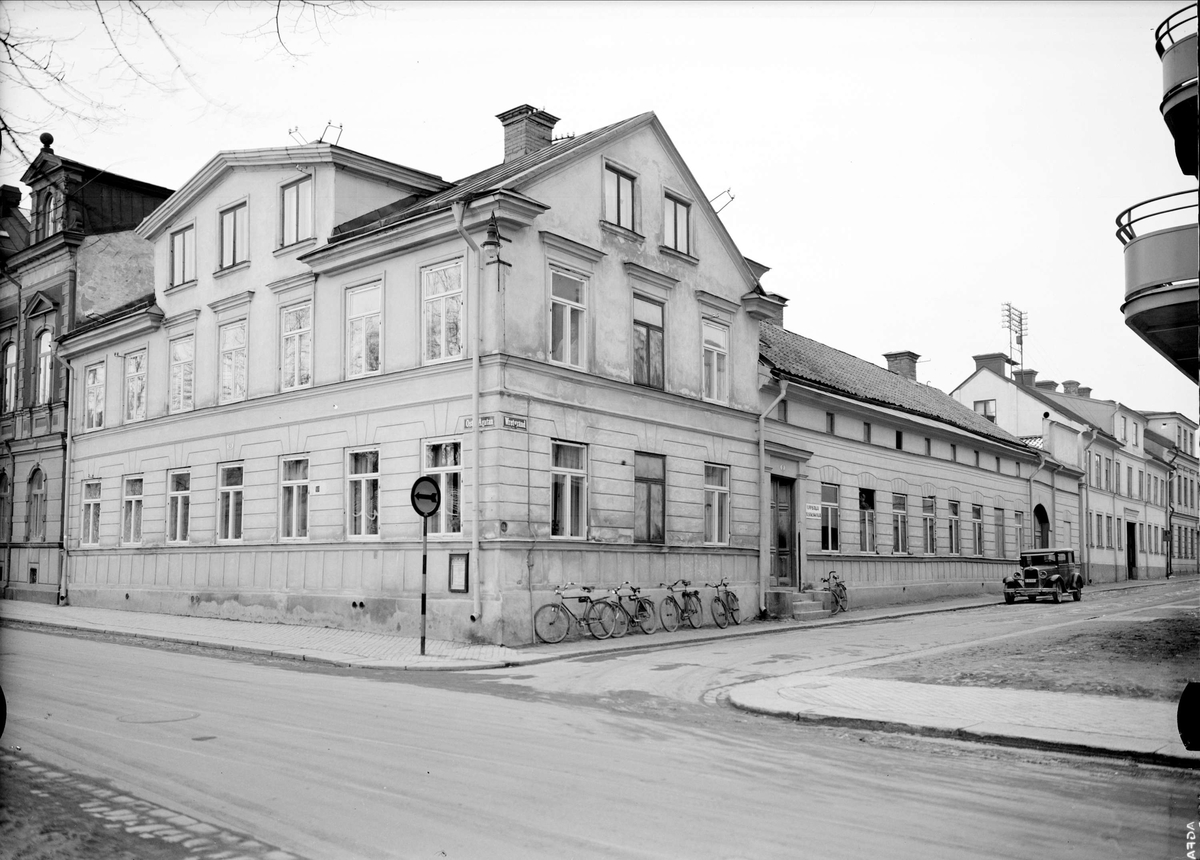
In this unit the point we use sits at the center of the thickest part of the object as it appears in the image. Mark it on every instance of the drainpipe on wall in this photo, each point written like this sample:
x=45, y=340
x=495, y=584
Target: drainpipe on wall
x=63, y=530
x=764, y=501
x=12, y=469
x=458, y=207
x=1171, y=509
x=1032, y=519
x=1086, y=495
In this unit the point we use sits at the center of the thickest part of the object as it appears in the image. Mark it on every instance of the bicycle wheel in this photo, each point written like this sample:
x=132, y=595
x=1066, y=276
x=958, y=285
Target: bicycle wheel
x=620, y=619
x=668, y=613
x=693, y=610
x=646, y=617
x=731, y=603
x=839, y=599
x=600, y=619
x=720, y=612
x=551, y=623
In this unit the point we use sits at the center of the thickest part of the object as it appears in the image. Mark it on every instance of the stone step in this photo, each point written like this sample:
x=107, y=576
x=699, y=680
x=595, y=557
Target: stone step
x=809, y=611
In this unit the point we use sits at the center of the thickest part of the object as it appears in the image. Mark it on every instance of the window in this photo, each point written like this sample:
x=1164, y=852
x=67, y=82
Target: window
x=10, y=377
x=953, y=453
x=1116, y=487
x=899, y=523
x=716, y=504
x=35, y=523
x=781, y=411
x=362, y=331
x=929, y=524
x=899, y=440
x=179, y=506
x=568, y=490
x=233, y=362
x=229, y=502
x=716, y=362
x=93, y=383
x=997, y=465
x=135, y=386
x=830, y=518
x=1107, y=473
x=443, y=461
x=48, y=215
x=649, y=498
x=442, y=295
x=131, y=512
x=829, y=423
x=1001, y=537
x=1100, y=530
x=928, y=448
x=976, y=459
x=647, y=343
x=955, y=530
x=1090, y=539
x=364, y=494
x=183, y=350
x=1124, y=428
x=866, y=520
x=986, y=408
x=296, y=209
x=90, y=533
x=294, y=509
x=675, y=224
x=45, y=369
x=567, y=333
x=234, y=245
x=1098, y=471
x=1135, y=435
x=183, y=256
x=1142, y=534
x=1141, y=484
x=296, y=360
x=977, y=529
x=618, y=198
x=867, y=432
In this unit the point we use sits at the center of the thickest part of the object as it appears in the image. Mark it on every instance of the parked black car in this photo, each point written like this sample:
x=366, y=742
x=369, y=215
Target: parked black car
x=1045, y=573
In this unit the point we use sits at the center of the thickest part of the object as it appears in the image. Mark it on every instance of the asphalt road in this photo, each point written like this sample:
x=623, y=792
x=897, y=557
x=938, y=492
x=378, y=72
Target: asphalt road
x=620, y=756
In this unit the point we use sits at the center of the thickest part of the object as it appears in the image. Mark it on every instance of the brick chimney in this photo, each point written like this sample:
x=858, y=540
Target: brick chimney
x=1084, y=391
x=526, y=130
x=1025, y=377
x=903, y=363
x=1046, y=385
x=10, y=199
x=993, y=361
x=1070, y=386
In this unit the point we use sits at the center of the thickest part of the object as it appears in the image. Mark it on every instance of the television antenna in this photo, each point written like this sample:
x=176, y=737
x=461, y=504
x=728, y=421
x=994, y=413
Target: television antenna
x=1017, y=323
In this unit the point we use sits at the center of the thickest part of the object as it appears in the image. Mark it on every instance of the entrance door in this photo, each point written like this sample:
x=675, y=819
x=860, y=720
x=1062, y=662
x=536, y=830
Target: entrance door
x=783, y=527
x=1042, y=523
x=1131, y=549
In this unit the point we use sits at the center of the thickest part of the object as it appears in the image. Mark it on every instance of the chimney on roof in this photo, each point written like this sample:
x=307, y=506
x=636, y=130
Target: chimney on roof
x=526, y=130
x=10, y=198
x=1084, y=391
x=1070, y=386
x=1025, y=377
x=1046, y=385
x=903, y=363
x=993, y=361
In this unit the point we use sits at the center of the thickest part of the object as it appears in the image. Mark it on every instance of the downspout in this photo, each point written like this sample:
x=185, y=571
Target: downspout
x=12, y=469
x=1085, y=547
x=458, y=207
x=1032, y=519
x=764, y=501
x=64, y=521
x=1171, y=509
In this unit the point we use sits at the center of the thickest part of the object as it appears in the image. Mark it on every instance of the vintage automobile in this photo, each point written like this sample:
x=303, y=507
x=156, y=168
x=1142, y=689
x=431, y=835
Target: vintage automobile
x=1048, y=572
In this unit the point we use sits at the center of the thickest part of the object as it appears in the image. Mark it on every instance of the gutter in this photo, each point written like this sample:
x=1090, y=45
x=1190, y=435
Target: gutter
x=764, y=501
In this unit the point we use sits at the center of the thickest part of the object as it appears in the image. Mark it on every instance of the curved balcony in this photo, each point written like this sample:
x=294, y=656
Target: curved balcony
x=1175, y=42
x=1161, y=262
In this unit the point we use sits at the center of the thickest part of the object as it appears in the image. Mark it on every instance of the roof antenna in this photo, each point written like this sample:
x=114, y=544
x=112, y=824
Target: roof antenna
x=719, y=196
x=326, y=133
x=296, y=136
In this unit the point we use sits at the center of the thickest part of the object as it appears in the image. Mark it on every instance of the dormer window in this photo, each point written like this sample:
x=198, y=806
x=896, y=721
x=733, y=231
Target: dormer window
x=296, y=211
x=47, y=219
x=618, y=198
x=234, y=239
x=183, y=256
x=675, y=225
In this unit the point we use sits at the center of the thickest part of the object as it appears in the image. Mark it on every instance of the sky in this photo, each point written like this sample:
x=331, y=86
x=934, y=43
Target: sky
x=904, y=168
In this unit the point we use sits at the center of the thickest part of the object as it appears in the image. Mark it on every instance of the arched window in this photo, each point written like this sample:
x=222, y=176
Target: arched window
x=35, y=525
x=8, y=394
x=47, y=219
x=45, y=368
x=5, y=506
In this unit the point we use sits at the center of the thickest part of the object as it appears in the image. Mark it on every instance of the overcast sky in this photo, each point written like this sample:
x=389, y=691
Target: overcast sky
x=903, y=168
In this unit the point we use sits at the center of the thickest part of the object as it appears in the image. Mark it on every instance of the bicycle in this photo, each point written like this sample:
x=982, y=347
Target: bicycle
x=837, y=590
x=671, y=613
x=643, y=616
x=552, y=622
x=725, y=606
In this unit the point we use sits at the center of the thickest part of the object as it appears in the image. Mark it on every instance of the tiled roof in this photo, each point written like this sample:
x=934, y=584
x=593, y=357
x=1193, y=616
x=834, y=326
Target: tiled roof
x=808, y=361
x=1033, y=441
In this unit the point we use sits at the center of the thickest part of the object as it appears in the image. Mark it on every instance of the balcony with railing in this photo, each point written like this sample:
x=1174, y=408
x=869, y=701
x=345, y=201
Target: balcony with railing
x=1161, y=262
x=1175, y=41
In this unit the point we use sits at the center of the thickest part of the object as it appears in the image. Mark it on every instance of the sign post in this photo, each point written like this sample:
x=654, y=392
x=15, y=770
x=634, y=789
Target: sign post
x=426, y=499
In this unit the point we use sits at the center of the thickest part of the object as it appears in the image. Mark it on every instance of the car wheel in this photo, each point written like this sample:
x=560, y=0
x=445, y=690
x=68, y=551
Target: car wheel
x=1058, y=592
x=1077, y=594
x=1010, y=598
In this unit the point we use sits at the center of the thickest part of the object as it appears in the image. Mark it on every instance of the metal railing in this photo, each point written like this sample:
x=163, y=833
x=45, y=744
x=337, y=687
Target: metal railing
x=1175, y=29
x=1159, y=208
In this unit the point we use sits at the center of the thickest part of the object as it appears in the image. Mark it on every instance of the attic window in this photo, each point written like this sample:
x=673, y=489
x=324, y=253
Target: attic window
x=986, y=408
x=618, y=198
x=676, y=224
x=47, y=219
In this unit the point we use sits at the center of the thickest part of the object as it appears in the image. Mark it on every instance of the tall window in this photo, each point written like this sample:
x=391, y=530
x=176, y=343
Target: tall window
x=649, y=498
x=93, y=383
x=1107, y=473
x=183, y=351
x=296, y=360
x=90, y=533
x=179, y=506
x=618, y=198
x=929, y=524
x=1001, y=537
x=716, y=361
x=716, y=504
x=1097, y=473
x=183, y=256
x=567, y=331
x=10, y=377
x=1019, y=524
x=899, y=523
x=977, y=529
x=1108, y=530
x=675, y=224
x=45, y=368
x=294, y=509
x=866, y=520
x=48, y=214
x=234, y=239
x=831, y=540
x=955, y=530
x=953, y=453
x=867, y=432
x=364, y=494
x=647, y=343
x=900, y=443
x=131, y=512
x=1141, y=483
x=296, y=209
x=830, y=424
x=229, y=502
x=442, y=297
x=362, y=331
x=986, y=408
x=233, y=362
x=35, y=523
x=135, y=386
x=928, y=447
x=443, y=462
x=568, y=490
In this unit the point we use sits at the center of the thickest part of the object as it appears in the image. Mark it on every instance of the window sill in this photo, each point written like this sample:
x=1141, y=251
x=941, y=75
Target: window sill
x=310, y=242
x=229, y=270
x=179, y=288
x=668, y=251
x=621, y=232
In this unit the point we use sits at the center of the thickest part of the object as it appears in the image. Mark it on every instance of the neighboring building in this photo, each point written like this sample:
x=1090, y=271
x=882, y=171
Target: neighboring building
x=78, y=260
x=1162, y=301
x=1122, y=501
x=1175, y=438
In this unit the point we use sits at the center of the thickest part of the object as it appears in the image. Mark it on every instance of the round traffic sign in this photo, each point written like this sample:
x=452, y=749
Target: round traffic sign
x=426, y=496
